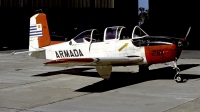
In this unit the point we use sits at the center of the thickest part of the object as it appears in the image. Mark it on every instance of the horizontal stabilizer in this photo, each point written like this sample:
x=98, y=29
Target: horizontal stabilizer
x=28, y=51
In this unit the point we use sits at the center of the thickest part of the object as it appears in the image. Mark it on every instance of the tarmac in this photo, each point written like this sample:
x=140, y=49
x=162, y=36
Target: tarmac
x=27, y=86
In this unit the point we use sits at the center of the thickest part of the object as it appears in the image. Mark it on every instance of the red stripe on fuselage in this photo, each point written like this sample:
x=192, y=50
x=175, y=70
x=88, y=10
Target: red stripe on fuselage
x=70, y=60
x=160, y=53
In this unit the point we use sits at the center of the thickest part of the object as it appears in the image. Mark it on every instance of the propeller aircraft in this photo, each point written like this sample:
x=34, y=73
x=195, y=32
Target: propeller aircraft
x=113, y=47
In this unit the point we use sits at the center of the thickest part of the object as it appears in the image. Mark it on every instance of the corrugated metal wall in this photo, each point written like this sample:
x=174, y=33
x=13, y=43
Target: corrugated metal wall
x=58, y=3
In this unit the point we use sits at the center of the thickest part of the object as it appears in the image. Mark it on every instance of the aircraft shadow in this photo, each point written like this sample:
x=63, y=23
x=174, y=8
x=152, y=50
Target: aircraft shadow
x=122, y=79
x=75, y=71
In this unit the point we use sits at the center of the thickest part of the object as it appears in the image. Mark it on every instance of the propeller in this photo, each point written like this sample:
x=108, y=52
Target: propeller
x=183, y=43
x=187, y=32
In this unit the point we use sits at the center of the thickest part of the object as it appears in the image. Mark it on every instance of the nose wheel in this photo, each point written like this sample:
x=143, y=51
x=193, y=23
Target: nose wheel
x=178, y=77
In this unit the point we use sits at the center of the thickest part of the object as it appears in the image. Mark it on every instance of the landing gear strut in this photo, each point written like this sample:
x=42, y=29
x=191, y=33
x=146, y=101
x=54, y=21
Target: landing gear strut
x=144, y=68
x=178, y=77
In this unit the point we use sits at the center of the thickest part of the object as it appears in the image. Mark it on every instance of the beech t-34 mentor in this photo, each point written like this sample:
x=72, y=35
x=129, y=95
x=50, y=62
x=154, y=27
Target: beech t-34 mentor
x=114, y=47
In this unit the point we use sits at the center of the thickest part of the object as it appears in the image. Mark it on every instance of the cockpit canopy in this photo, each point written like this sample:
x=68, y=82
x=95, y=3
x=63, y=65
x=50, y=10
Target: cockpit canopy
x=110, y=33
x=84, y=36
x=138, y=33
x=115, y=32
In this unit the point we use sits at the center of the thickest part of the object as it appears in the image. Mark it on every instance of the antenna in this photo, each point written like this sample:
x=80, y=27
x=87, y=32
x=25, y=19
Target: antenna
x=39, y=11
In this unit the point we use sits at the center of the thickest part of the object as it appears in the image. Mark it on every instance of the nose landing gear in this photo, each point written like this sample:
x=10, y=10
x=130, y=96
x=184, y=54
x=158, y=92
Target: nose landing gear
x=178, y=77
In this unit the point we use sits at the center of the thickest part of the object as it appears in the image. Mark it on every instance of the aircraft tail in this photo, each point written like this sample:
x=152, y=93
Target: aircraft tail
x=39, y=32
x=39, y=36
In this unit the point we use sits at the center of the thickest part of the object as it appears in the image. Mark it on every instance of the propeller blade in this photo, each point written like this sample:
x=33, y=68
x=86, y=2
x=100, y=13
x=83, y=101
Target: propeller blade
x=188, y=32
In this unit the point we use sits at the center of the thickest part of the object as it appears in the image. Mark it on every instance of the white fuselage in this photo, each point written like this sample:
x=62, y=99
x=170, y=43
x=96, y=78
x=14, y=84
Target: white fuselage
x=111, y=48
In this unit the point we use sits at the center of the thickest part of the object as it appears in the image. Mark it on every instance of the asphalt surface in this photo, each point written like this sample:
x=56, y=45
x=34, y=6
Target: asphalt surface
x=27, y=86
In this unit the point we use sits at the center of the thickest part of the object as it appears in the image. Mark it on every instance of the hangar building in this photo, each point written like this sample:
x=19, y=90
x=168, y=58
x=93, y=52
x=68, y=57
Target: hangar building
x=63, y=17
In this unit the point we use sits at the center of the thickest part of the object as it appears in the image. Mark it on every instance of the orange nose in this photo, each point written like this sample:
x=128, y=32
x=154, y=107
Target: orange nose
x=160, y=53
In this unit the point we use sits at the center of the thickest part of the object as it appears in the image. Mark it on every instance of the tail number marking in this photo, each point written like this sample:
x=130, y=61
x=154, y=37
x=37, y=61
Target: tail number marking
x=157, y=52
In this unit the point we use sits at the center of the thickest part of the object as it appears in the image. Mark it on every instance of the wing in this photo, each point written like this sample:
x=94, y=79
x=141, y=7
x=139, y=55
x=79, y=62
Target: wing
x=97, y=61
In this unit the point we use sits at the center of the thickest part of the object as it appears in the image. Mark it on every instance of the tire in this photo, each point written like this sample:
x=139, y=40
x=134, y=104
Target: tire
x=179, y=79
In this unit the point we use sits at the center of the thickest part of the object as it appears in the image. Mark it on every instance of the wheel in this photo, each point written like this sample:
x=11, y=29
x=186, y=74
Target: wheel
x=180, y=79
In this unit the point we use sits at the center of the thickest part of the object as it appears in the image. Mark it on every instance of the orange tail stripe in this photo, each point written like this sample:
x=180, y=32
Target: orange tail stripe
x=45, y=39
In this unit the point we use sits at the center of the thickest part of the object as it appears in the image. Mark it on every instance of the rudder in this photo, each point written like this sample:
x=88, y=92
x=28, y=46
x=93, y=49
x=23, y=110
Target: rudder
x=39, y=32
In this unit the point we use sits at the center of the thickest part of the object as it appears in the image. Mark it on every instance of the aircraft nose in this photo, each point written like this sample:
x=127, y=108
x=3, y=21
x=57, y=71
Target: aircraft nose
x=181, y=45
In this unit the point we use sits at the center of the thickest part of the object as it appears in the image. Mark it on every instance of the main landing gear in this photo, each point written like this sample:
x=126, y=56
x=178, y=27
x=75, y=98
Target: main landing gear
x=144, y=68
x=178, y=77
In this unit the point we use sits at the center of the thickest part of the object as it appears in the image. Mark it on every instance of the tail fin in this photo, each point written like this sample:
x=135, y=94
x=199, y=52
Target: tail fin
x=39, y=32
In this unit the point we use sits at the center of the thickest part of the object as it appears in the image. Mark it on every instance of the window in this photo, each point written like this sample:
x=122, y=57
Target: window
x=110, y=33
x=83, y=36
